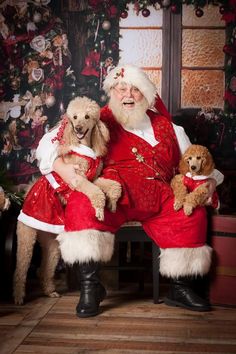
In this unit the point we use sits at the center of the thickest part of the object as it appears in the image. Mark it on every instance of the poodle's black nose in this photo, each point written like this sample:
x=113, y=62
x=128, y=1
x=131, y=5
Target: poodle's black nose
x=79, y=130
x=193, y=167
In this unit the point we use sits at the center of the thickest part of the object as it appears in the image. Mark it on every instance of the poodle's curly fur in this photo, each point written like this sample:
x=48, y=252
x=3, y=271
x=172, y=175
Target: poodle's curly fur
x=198, y=161
x=83, y=126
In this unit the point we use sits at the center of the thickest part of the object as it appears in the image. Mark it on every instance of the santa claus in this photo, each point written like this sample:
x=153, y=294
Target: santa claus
x=143, y=155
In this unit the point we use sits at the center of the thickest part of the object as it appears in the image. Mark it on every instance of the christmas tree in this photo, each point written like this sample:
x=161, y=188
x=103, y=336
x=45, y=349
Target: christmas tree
x=36, y=82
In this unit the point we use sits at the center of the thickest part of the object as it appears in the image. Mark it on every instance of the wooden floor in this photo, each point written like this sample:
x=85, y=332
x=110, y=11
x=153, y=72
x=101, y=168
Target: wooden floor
x=129, y=323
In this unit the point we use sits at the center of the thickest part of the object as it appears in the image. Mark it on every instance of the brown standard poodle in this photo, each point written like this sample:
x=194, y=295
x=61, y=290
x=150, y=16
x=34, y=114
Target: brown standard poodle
x=81, y=126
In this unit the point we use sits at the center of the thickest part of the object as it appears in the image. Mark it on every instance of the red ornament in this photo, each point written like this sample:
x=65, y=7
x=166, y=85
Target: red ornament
x=124, y=14
x=112, y=11
x=199, y=12
x=174, y=9
x=145, y=12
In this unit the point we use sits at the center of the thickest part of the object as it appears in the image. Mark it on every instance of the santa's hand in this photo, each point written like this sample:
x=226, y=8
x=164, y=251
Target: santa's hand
x=66, y=171
x=211, y=186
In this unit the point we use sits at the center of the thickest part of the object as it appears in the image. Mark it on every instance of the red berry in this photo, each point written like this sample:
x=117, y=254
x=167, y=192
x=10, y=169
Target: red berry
x=124, y=14
x=145, y=12
x=199, y=12
x=222, y=10
x=174, y=9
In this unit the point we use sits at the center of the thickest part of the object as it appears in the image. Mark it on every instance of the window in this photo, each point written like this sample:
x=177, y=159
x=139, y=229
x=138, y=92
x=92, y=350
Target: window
x=182, y=54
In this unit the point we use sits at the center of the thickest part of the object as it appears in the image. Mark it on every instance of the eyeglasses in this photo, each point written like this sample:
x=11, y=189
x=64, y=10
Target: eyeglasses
x=127, y=90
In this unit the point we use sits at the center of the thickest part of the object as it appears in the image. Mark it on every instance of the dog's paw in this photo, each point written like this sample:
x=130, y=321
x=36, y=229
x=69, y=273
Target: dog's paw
x=111, y=205
x=18, y=300
x=54, y=294
x=188, y=209
x=99, y=213
x=112, y=196
x=177, y=205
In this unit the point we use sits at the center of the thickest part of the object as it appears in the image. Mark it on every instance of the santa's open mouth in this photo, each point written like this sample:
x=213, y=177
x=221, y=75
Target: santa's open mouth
x=81, y=135
x=128, y=104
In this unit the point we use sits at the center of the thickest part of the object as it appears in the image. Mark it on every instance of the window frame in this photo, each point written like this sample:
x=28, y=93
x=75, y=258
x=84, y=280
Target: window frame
x=172, y=65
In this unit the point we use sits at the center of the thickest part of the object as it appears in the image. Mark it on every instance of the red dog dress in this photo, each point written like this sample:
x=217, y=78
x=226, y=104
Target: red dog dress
x=42, y=208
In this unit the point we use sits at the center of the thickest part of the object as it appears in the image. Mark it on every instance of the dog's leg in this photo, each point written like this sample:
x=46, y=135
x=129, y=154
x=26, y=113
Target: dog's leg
x=95, y=195
x=112, y=190
x=26, y=237
x=180, y=191
x=196, y=198
x=50, y=259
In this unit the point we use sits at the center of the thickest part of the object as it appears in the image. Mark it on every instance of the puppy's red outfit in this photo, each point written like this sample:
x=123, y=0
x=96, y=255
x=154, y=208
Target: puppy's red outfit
x=42, y=207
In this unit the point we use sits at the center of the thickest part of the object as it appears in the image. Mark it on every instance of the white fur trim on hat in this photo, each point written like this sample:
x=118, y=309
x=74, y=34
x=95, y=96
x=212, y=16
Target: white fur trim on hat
x=86, y=245
x=181, y=262
x=134, y=76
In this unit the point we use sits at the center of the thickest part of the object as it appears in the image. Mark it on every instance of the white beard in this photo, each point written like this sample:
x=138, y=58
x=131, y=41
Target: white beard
x=132, y=118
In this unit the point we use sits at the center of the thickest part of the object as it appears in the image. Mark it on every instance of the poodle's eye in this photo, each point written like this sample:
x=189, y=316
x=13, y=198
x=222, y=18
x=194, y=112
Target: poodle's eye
x=198, y=157
x=74, y=117
x=190, y=158
x=86, y=116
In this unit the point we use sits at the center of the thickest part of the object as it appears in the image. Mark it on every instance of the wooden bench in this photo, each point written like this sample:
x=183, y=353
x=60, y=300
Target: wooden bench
x=133, y=232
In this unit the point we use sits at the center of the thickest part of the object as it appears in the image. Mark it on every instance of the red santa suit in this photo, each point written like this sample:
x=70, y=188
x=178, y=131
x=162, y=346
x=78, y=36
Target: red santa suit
x=144, y=172
x=42, y=208
x=143, y=160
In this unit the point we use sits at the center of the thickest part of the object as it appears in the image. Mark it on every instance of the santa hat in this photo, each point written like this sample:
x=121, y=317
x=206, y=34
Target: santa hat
x=135, y=76
x=131, y=75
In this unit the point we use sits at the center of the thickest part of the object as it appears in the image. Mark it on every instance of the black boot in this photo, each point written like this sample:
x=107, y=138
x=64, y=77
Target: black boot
x=182, y=295
x=92, y=292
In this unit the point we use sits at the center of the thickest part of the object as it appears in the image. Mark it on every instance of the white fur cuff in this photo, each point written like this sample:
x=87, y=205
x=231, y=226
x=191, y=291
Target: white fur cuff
x=179, y=262
x=86, y=245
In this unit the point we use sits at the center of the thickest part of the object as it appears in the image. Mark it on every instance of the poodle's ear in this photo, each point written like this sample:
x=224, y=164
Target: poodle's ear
x=183, y=165
x=207, y=164
x=100, y=138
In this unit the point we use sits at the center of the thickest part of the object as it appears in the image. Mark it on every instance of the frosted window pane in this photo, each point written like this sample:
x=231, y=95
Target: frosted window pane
x=202, y=88
x=155, y=18
x=155, y=76
x=141, y=47
x=203, y=47
x=211, y=17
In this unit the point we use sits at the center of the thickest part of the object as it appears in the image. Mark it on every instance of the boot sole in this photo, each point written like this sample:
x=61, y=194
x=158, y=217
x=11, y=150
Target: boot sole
x=173, y=303
x=85, y=315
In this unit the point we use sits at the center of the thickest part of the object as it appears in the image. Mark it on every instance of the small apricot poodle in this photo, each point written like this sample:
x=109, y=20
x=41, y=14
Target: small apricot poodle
x=81, y=130
x=190, y=186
